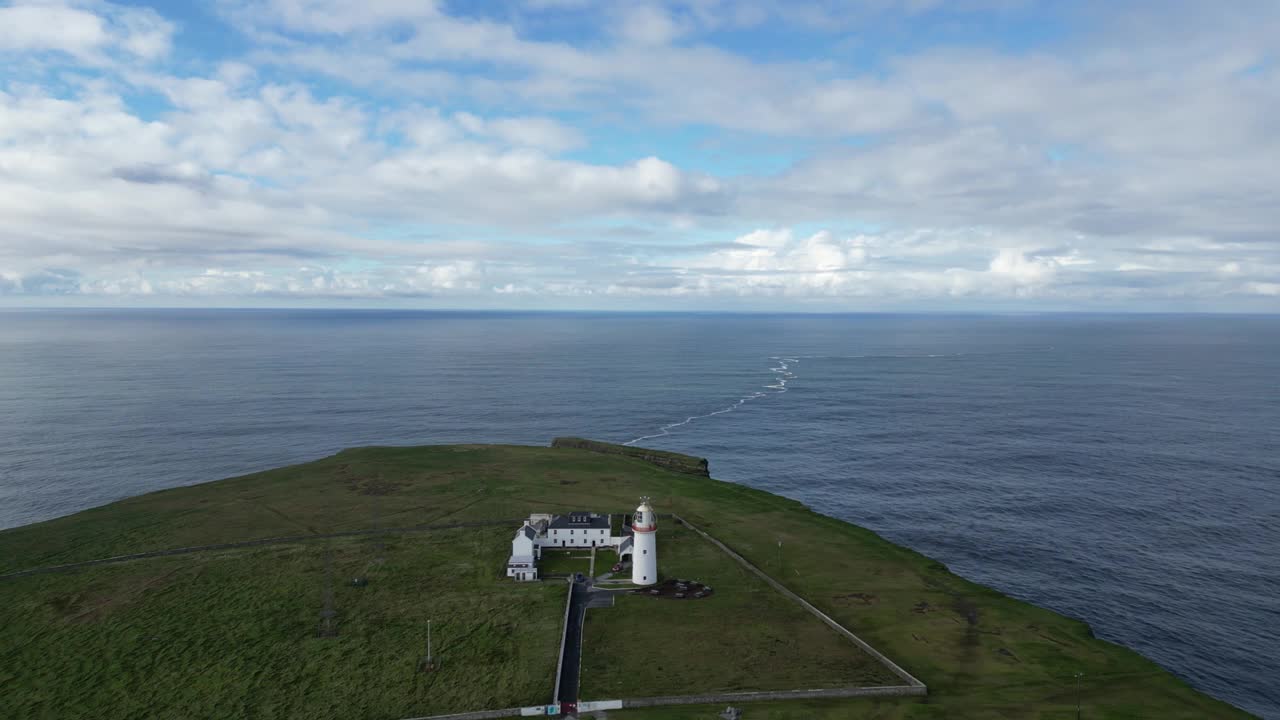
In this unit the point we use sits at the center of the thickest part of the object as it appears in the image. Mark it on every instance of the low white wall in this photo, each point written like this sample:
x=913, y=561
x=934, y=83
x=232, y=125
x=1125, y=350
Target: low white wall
x=709, y=698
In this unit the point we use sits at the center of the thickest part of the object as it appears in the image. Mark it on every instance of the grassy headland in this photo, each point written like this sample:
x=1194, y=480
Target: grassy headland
x=234, y=629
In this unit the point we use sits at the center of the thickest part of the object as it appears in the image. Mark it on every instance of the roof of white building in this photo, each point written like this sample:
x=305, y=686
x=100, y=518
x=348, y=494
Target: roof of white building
x=580, y=519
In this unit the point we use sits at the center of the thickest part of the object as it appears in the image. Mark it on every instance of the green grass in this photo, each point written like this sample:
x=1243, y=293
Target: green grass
x=744, y=636
x=565, y=562
x=234, y=634
x=983, y=654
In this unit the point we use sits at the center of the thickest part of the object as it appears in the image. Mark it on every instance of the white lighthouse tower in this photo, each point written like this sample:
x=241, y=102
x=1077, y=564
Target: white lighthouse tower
x=644, y=553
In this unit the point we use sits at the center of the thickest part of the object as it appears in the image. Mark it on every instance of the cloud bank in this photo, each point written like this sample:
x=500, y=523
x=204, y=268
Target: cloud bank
x=697, y=155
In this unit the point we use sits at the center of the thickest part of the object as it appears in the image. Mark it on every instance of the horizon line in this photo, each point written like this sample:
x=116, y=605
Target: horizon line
x=610, y=311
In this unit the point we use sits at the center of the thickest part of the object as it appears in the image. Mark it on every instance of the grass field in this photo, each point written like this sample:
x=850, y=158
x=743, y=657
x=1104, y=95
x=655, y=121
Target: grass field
x=983, y=654
x=566, y=562
x=744, y=636
x=234, y=634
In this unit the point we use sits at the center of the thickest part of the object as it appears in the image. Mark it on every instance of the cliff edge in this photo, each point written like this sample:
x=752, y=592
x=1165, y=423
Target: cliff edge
x=686, y=464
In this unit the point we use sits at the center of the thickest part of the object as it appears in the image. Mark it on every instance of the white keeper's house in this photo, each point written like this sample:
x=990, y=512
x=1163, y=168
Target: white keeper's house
x=582, y=529
x=522, y=565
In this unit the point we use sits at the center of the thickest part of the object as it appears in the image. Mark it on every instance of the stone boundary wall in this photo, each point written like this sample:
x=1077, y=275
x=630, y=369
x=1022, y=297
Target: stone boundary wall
x=477, y=715
x=708, y=699
x=594, y=705
x=884, y=691
x=253, y=543
x=564, y=635
x=893, y=667
x=531, y=711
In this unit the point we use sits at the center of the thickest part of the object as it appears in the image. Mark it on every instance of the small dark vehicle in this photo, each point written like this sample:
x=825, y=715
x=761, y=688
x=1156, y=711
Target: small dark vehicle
x=617, y=567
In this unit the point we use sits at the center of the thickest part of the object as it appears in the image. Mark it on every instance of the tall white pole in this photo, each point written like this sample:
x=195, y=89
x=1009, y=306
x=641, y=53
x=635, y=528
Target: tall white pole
x=1078, y=675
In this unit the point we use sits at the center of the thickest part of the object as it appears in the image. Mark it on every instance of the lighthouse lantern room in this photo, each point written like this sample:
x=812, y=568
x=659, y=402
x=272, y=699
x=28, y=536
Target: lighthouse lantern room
x=644, y=556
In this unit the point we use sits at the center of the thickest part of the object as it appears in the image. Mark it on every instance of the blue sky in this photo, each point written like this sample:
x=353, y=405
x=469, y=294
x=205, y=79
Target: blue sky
x=699, y=155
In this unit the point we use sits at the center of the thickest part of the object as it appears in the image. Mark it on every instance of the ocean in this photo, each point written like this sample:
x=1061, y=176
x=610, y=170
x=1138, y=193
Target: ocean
x=1121, y=469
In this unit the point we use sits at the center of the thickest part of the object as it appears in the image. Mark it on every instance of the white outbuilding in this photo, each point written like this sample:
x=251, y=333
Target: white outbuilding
x=522, y=565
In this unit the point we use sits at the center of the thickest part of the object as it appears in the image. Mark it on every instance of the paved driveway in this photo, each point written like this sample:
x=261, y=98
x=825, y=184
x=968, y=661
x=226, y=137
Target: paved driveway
x=570, y=669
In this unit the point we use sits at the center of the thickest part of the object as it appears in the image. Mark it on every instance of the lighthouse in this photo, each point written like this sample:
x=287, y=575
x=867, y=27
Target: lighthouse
x=644, y=554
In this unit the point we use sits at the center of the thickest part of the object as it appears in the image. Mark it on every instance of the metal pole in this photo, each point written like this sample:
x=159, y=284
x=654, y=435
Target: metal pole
x=430, y=660
x=328, y=627
x=380, y=540
x=1078, y=675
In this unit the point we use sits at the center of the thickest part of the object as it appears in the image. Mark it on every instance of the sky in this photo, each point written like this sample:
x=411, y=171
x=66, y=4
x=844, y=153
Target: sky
x=760, y=155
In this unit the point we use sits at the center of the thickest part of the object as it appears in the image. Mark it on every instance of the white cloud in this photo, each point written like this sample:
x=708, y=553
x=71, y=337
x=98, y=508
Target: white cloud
x=87, y=30
x=1013, y=264
x=336, y=16
x=256, y=177
x=536, y=132
x=782, y=251
x=1131, y=163
x=145, y=34
x=44, y=27
x=648, y=25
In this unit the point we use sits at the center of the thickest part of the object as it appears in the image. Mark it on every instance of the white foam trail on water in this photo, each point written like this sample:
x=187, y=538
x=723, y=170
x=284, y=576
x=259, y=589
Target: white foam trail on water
x=888, y=357
x=781, y=376
x=918, y=356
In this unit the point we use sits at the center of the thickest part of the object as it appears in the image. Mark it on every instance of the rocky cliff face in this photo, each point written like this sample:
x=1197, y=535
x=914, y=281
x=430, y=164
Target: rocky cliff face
x=686, y=464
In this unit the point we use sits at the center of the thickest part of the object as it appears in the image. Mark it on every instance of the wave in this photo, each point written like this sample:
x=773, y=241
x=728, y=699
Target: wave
x=782, y=374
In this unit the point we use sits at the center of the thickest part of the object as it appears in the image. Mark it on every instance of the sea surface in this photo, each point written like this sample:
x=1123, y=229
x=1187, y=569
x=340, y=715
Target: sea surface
x=1124, y=470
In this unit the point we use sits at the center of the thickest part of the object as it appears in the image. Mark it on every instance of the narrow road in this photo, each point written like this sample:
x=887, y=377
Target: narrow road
x=584, y=596
x=572, y=663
